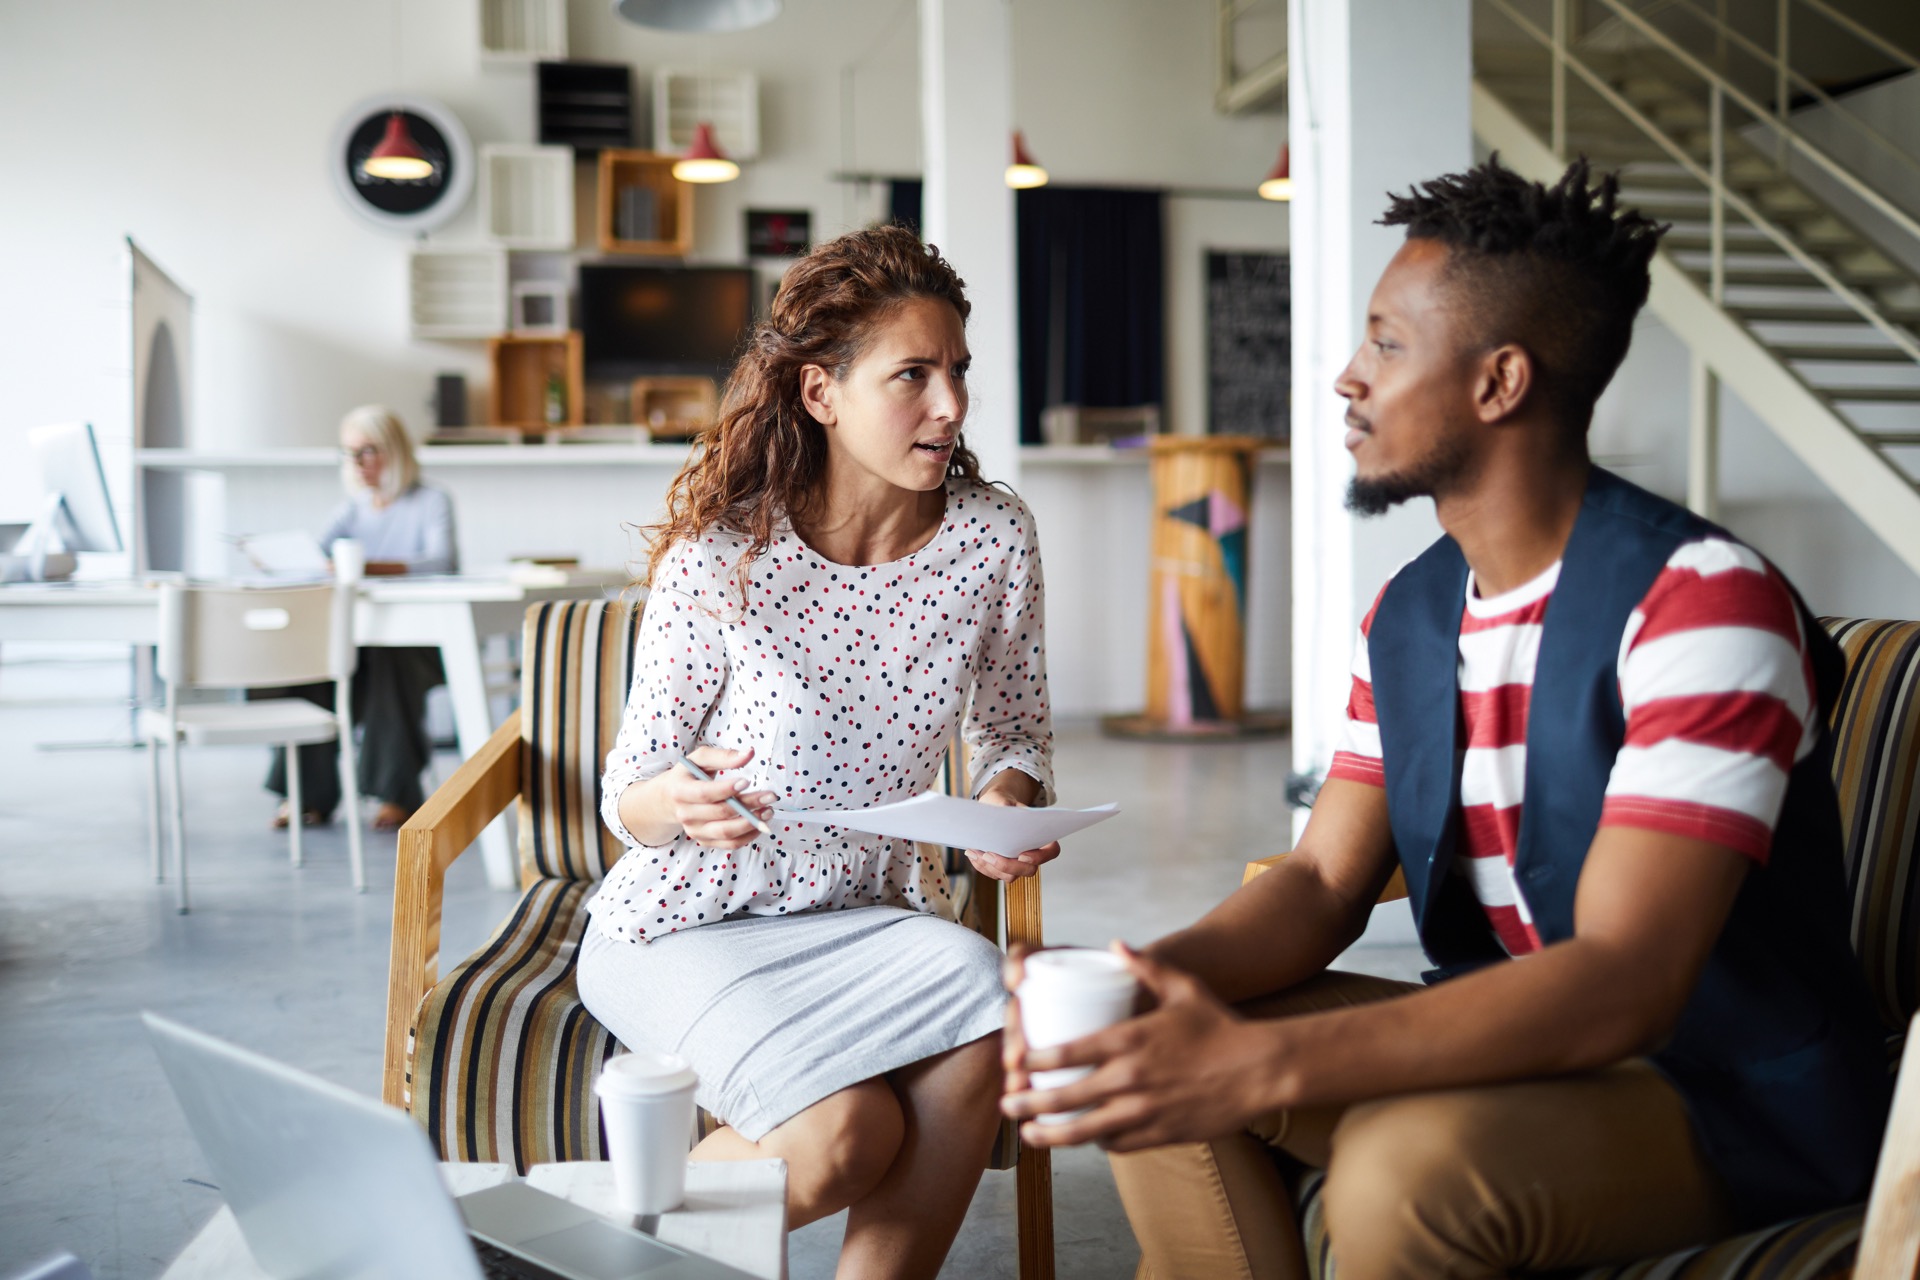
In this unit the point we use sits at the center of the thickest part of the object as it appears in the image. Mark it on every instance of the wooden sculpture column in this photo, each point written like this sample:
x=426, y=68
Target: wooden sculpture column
x=1197, y=603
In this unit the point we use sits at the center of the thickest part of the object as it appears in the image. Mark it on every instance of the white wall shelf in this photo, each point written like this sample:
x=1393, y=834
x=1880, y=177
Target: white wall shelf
x=522, y=31
x=526, y=195
x=431, y=456
x=458, y=293
x=558, y=454
x=729, y=100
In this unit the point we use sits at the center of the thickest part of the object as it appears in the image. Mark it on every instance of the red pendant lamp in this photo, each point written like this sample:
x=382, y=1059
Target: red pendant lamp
x=398, y=157
x=704, y=161
x=1279, y=183
x=1024, y=172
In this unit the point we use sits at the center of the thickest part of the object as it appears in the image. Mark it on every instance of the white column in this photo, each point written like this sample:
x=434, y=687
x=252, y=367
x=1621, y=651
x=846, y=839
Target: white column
x=1378, y=98
x=966, y=114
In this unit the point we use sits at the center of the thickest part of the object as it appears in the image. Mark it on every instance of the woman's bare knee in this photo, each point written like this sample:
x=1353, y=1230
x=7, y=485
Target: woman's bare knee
x=838, y=1149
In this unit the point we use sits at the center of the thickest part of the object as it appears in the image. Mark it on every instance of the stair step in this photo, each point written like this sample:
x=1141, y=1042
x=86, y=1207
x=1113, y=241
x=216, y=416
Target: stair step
x=1691, y=209
x=1834, y=354
x=1646, y=90
x=1800, y=313
x=1894, y=439
x=1691, y=219
x=1785, y=198
x=1787, y=273
x=1871, y=395
x=1672, y=179
x=1740, y=237
x=1867, y=262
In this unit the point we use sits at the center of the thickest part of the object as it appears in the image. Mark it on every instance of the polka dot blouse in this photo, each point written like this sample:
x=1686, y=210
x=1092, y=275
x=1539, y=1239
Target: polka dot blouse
x=848, y=683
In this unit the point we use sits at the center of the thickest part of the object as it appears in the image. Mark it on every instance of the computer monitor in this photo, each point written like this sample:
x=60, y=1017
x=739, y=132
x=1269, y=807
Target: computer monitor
x=73, y=478
x=76, y=511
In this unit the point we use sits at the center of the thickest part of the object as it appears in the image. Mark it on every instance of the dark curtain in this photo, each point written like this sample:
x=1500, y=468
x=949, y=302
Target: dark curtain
x=903, y=202
x=1091, y=271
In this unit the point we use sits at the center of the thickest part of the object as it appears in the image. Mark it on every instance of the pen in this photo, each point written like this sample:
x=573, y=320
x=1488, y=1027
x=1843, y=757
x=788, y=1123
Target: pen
x=733, y=802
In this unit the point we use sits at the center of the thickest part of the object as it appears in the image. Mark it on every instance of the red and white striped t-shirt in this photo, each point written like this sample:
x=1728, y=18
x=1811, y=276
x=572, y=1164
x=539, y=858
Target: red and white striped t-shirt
x=1718, y=691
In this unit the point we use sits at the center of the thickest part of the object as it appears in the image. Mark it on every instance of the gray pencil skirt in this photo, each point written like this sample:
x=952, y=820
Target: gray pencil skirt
x=777, y=1012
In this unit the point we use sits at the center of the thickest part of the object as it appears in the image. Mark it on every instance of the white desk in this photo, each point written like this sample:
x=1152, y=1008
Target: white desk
x=451, y=614
x=114, y=613
x=736, y=1212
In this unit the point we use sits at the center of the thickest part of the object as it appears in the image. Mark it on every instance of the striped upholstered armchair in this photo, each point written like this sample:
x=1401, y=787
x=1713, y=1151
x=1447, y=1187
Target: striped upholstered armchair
x=498, y=1058
x=1876, y=769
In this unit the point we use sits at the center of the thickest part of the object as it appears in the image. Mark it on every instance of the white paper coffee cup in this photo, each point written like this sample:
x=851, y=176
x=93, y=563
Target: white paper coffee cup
x=646, y=1101
x=1067, y=993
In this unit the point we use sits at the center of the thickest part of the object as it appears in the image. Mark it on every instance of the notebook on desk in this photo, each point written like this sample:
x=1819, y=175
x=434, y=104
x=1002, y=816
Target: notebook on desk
x=324, y=1182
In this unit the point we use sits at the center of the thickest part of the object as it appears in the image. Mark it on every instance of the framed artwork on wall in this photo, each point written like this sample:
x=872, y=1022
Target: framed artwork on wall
x=779, y=233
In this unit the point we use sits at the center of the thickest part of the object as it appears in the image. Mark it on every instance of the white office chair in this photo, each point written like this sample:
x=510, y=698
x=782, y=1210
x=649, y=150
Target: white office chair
x=250, y=638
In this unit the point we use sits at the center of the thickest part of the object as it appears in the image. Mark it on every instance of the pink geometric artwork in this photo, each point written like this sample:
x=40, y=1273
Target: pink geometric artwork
x=1173, y=632
x=1223, y=515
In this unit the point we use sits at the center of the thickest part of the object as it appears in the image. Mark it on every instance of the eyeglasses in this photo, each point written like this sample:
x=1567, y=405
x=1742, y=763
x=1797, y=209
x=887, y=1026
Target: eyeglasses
x=365, y=453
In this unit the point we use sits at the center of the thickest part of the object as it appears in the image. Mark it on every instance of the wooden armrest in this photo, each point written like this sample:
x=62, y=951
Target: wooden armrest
x=1396, y=887
x=1890, y=1236
x=438, y=832
x=1023, y=911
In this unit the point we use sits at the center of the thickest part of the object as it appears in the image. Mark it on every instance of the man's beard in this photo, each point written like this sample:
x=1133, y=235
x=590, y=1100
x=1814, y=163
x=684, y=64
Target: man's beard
x=1428, y=477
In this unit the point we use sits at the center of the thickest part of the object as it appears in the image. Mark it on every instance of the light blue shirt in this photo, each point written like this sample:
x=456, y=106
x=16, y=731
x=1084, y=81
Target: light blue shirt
x=415, y=529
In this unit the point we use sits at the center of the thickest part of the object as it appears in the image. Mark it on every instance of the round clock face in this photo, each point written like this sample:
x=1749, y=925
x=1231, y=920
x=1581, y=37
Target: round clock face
x=403, y=204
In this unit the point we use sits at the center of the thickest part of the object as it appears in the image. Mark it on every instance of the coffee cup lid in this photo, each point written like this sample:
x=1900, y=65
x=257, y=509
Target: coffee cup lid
x=644, y=1072
x=1082, y=966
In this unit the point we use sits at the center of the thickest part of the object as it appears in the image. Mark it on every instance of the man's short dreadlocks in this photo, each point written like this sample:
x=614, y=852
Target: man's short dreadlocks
x=1560, y=271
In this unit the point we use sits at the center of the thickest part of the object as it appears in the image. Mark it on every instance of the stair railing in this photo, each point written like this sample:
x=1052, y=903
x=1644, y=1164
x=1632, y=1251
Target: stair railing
x=1712, y=176
x=1775, y=120
x=1778, y=61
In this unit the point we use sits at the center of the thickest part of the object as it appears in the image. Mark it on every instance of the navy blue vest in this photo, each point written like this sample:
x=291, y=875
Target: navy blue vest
x=1779, y=1053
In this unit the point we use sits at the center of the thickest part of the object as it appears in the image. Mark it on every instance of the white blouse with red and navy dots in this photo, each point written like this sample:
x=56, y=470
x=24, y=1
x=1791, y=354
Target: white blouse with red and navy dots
x=847, y=681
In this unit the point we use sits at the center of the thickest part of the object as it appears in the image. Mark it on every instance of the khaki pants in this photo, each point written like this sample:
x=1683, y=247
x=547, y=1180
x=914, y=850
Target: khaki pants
x=1572, y=1171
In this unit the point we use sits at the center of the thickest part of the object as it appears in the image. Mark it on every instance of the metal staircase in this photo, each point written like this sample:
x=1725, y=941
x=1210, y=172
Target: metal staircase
x=1790, y=277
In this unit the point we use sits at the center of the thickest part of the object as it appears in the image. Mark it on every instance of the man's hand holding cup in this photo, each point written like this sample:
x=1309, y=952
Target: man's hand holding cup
x=1079, y=1069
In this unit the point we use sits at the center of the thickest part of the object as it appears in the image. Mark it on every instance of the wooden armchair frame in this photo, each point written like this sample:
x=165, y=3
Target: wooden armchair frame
x=479, y=791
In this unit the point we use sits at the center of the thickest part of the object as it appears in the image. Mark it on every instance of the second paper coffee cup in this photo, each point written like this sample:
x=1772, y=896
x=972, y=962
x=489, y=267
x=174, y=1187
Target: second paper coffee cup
x=1067, y=993
x=646, y=1100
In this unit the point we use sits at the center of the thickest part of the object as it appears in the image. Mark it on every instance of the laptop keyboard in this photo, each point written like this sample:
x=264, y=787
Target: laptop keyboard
x=497, y=1264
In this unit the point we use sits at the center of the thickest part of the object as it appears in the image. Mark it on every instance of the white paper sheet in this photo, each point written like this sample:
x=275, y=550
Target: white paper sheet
x=964, y=824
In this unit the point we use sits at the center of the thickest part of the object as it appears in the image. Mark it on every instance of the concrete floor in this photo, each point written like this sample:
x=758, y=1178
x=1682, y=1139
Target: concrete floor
x=94, y=1156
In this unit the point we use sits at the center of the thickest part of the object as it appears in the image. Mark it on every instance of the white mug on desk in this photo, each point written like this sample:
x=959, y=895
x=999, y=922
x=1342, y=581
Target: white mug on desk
x=349, y=560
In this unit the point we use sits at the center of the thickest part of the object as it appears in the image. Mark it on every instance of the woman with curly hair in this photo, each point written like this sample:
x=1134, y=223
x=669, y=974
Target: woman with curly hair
x=834, y=590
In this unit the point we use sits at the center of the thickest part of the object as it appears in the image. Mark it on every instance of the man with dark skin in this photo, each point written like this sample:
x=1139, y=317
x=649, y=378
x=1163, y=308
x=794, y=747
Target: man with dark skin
x=1505, y=1118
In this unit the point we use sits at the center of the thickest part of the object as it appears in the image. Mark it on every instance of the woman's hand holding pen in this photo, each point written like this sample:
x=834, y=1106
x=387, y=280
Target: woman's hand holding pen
x=701, y=808
x=1016, y=790
x=664, y=806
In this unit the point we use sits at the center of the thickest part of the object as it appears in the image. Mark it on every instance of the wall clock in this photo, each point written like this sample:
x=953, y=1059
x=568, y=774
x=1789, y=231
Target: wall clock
x=405, y=205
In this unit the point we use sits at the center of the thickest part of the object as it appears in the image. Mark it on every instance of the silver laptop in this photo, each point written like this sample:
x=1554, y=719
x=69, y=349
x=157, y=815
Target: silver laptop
x=326, y=1183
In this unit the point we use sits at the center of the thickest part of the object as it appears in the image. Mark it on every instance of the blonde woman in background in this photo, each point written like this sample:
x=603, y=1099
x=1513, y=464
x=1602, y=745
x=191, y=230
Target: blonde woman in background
x=404, y=526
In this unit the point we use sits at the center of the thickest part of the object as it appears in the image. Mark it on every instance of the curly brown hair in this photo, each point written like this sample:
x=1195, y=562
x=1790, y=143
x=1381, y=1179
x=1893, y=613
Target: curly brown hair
x=765, y=460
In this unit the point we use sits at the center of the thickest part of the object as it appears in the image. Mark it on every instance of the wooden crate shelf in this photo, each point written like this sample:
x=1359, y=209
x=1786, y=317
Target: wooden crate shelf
x=656, y=219
x=522, y=366
x=674, y=408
